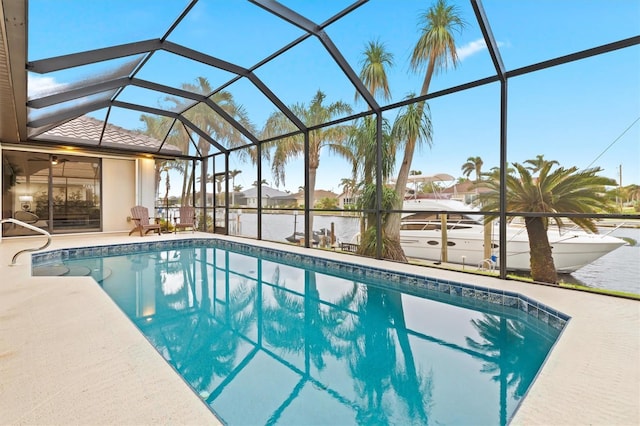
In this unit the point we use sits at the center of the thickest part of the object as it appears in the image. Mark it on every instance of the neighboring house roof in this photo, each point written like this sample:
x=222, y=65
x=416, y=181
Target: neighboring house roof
x=85, y=128
x=321, y=193
x=266, y=192
x=464, y=188
x=350, y=194
x=318, y=194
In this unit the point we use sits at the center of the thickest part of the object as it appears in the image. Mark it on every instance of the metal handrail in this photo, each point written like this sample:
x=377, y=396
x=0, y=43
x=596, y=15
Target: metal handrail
x=31, y=227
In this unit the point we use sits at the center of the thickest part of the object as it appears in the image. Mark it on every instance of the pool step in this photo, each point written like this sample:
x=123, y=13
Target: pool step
x=74, y=271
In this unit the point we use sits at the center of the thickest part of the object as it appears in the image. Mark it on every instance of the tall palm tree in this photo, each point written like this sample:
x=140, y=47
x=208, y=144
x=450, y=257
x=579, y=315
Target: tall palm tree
x=436, y=48
x=411, y=128
x=473, y=164
x=288, y=148
x=363, y=144
x=553, y=191
x=219, y=180
x=363, y=141
x=232, y=174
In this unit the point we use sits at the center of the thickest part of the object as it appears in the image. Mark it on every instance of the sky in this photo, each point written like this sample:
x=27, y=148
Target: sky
x=583, y=114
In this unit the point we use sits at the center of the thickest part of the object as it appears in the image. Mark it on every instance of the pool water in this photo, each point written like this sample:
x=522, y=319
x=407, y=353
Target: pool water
x=263, y=341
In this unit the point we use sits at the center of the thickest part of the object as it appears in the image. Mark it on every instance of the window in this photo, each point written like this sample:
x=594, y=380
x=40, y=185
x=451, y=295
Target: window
x=58, y=193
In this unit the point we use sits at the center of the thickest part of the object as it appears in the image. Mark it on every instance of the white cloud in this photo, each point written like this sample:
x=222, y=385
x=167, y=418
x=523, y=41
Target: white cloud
x=471, y=48
x=42, y=86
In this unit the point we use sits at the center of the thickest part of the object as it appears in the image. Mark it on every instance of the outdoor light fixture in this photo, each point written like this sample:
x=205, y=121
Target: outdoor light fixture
x=54, y=160
x=26, y=201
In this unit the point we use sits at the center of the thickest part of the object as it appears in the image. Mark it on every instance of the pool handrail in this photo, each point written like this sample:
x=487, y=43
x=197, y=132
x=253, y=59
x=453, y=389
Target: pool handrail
x=31, y=227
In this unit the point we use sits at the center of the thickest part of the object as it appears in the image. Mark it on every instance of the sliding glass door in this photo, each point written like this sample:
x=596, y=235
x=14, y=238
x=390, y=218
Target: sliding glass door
x=58, y=193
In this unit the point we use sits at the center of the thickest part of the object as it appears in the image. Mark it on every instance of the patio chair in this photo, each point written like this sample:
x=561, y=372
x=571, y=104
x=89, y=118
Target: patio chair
x=140, y=215
x=185, y=220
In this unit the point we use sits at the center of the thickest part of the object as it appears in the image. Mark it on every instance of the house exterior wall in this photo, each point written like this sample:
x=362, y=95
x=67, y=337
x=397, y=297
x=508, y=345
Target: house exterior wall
x=118, y=193
x=146, y=184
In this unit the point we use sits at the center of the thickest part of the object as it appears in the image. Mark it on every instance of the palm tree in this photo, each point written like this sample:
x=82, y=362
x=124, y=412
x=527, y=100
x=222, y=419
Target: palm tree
x=436, y=48
x=363, y=144
x=539, y=162
x=163, y=167
x=232, y=174
x=494, y=173
x=561, y=190
x=219, y=179
x=348, y=185
x=473, y=164
x=411, y=128
x=373, y=73
x=210, y=123
x=363, y=141
x=262, y=182
x=631, y=192
x=291, y=147
x=158, y=127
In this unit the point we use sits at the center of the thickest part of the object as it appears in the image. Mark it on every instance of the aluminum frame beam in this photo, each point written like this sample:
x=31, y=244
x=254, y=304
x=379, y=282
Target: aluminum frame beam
x=175, y=115
x=72, y=60
x=196, y=97
x=79, y=92
x=311, y=27
x=148, y=47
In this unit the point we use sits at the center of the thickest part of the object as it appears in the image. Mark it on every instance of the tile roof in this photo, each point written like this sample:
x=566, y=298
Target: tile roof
x=86, y=130
x=266, y=192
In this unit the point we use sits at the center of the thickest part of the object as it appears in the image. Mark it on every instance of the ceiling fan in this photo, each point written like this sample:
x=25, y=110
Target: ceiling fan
x=54, y=160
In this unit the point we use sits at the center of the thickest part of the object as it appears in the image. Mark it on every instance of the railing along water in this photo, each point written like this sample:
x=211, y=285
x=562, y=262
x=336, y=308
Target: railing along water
x=31, y=227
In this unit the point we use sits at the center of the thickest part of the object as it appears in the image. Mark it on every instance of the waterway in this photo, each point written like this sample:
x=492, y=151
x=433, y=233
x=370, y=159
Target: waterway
x=618, y=270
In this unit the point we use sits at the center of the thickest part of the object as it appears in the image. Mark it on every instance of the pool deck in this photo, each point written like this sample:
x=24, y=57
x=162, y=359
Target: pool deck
x=68, y=355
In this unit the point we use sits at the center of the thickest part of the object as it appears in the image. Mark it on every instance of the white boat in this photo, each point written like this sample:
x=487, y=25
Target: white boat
x=421, y=238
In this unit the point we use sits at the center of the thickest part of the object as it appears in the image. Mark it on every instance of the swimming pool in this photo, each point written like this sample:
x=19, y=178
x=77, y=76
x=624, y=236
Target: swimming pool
x=271, y=337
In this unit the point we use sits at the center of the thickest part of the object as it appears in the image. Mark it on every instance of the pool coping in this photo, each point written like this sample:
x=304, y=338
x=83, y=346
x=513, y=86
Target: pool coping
x=392, y=279
x=591, y=375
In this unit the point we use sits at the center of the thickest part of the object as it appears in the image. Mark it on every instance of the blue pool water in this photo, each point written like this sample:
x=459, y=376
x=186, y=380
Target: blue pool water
x=264, y=340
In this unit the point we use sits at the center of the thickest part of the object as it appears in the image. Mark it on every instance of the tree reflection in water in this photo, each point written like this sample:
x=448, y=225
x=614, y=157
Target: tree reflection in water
x=296, y=323
x=379, y=376
x=365, y=326
x=513, y=354
x=202, y=345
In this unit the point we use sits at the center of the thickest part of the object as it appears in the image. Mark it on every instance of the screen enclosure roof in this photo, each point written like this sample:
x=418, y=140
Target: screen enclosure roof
x=201, y=77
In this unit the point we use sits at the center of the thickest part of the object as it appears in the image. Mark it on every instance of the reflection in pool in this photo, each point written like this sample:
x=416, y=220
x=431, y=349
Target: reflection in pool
x=266, y=342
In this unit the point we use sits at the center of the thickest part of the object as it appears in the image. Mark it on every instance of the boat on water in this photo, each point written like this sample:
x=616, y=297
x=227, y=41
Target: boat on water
x=421, y=238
